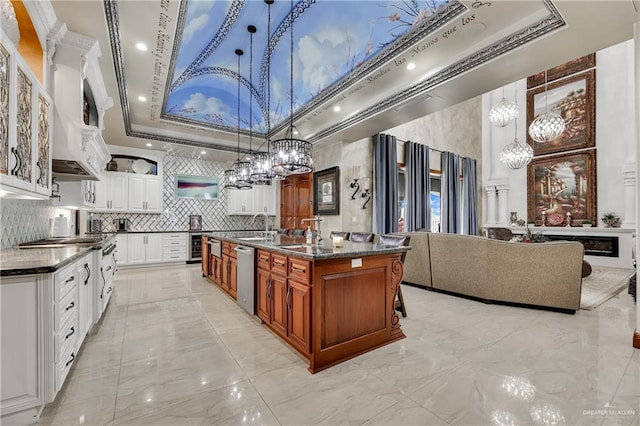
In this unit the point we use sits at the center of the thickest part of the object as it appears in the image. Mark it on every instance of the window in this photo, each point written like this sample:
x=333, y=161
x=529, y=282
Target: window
x=434, y=176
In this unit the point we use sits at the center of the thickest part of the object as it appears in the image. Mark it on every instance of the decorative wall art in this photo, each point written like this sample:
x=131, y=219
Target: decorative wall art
x=562, y=184
x=205, y=187
x=568, y=68
x=326, y=192
x=574, y=98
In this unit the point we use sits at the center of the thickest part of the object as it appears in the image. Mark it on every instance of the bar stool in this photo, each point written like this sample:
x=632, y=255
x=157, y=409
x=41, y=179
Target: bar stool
x=397, y=241
x=362, y=237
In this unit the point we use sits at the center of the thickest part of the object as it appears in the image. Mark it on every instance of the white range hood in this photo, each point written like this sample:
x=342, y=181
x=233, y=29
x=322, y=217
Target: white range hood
x=78, y=150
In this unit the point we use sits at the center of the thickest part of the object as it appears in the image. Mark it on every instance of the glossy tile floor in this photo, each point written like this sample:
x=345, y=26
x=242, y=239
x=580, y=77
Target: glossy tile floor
x=172, y=349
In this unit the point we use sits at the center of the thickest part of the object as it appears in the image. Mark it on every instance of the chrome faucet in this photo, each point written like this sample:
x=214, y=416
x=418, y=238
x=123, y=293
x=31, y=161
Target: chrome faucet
x=266, y=222
x=317, y=219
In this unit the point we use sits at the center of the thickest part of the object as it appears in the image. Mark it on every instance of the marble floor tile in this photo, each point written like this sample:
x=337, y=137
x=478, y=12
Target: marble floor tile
x=173, y=349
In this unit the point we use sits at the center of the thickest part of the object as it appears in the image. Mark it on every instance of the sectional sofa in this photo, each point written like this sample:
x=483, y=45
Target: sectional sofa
x=543, y=275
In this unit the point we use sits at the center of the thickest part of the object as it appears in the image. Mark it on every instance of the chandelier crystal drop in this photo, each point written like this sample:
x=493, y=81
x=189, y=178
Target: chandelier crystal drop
x=546, y=127
x=291, y=155
x=503, y=113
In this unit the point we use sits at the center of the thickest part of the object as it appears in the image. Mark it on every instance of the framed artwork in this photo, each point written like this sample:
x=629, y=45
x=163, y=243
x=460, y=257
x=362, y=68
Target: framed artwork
x=568, y=68
x=574, y=98
x=326, y=192
x=202, y=187
x=562, y=184
x=195, y=222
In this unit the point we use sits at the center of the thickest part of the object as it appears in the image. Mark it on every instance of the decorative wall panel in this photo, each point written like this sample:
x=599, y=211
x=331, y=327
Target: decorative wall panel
x=43, y=142
x=24, y=135
x=176, y=211
x=28, y=220
x=5, y=75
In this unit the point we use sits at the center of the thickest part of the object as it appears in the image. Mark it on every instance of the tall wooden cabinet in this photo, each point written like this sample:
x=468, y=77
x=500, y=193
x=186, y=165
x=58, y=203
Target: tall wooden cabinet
x=296, y=198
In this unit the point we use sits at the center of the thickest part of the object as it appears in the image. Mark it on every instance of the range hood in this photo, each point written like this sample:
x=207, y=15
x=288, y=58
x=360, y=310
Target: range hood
x=78, y=151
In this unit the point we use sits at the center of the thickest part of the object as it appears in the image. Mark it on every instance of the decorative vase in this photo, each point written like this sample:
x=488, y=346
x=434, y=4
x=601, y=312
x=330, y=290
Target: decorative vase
x=513, y=218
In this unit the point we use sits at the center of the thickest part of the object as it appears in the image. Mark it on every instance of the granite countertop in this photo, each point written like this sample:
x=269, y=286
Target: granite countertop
x=159, y=232
x=296, y=246
x=15, y=261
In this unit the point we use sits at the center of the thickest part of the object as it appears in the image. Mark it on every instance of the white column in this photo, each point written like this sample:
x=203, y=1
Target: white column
x=490, y=190
x=636, y=49
x=629, y=176
x=503, y=204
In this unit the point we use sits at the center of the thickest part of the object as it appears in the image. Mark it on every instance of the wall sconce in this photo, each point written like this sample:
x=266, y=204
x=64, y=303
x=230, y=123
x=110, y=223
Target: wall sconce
x=355, y=175
x=365, y=193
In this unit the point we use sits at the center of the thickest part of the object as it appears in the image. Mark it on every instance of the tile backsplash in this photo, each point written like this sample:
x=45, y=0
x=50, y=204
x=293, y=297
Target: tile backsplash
x=29, y=220
x=176, y=211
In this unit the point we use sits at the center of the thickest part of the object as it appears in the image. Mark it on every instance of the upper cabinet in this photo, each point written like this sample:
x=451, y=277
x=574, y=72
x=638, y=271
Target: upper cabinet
x=25, y=129
x=259, y=199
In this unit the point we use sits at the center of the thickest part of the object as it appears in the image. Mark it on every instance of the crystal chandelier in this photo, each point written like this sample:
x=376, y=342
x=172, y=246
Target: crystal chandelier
x=516, y=154
x=261, y=171
x=291, y=155
x=504, y=112
x=548, y=126
x=238, y=176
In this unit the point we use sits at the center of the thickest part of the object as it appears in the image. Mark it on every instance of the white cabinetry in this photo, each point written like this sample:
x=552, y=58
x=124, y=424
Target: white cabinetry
x=122, y=251
x=174, y=246
x=25, y=129
x=145, y=194
x=85, y=285
x=144, y=248
x=66, y=323
x=260, y=198
x=80, y=194
x=111, y=192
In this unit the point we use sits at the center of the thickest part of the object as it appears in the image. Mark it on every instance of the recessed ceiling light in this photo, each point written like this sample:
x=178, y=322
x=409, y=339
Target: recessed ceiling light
x=411, y=66
x=149, y=144
x=337, y=108
x=142, y=98
x=141, y=46
x=203, y=152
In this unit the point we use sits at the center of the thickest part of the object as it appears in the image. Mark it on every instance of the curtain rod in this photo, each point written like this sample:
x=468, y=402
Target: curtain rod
x=432, y=149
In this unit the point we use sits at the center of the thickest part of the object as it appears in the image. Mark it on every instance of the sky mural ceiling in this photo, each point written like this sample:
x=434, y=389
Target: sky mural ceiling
x=332, y=38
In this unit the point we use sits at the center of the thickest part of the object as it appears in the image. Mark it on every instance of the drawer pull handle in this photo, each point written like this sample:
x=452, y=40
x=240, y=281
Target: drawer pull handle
x=278, y=263
x=73, y=356
x=71, y=305
x=70, y=279
x=109, y=290
x=301, y=270
x=73, y=330
x=108, y=268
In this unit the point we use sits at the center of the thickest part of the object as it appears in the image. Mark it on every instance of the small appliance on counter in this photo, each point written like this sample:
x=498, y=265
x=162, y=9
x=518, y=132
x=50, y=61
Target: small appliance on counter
x=122, y=224
x=60, y=226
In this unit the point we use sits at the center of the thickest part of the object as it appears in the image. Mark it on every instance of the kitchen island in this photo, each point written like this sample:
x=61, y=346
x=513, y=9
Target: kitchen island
x=330, y=304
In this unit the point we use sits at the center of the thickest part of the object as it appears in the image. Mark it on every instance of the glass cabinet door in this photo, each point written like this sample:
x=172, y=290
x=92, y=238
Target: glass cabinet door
x=5, y=74
x=43, y=169
x=24, y=136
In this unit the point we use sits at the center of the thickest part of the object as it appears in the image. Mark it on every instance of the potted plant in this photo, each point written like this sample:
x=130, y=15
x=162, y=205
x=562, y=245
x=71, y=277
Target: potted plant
x=611, y=220
x=586, y=223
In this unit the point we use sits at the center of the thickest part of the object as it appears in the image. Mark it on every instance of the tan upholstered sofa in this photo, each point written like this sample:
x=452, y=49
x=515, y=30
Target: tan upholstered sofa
x=542, y=274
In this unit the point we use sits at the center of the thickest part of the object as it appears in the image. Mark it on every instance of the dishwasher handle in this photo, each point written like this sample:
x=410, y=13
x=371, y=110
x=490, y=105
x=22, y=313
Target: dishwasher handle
x=243, y=250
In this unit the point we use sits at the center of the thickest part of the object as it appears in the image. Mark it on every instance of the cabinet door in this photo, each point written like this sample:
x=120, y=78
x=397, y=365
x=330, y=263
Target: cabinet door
x=234, y=201
x=85, y=295
x=246, y=196
x=122, y=250
x=136, y=249
x=279, y=307
x=43, y=152
x=101, y=191
x=233, y=277
x=287, y=204
x=23, y=151
x=205, y=256
x=154, y=248
x=137, y=193
x=270, y=199
x=262, y=288
x=153, y=194
x=118, y=191
x=299, y=318
x=226, y=272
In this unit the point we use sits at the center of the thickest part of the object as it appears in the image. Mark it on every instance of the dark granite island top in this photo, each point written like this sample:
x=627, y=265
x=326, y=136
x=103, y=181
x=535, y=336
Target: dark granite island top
x=14, y=262
x=295, y=246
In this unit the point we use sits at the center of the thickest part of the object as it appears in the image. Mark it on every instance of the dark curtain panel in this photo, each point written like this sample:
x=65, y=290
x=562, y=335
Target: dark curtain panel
x=450, y=195
x=418, y=207
x=385, y=184
x=469, y=197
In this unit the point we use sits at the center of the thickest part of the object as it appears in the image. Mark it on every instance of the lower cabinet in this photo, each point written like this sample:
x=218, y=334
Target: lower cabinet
x=174, y=247
x=122, y=252
x=215, y=269
x=85, y=285
x=283, y=297
x=205, y=256
x=144, y=248
x=229, y=266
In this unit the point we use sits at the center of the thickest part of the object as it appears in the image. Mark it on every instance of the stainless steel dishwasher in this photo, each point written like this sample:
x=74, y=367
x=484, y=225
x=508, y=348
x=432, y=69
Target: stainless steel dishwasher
x=246, y=282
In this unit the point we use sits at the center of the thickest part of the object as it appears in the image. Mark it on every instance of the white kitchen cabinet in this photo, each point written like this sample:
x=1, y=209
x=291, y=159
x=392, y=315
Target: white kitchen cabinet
x=87, y=278
x=145, y=194
x=80, y=194
x=111, y=192
x=174, y=246
x=122, y=250
x=144, y=248
x=25, y=118
x=260, y=198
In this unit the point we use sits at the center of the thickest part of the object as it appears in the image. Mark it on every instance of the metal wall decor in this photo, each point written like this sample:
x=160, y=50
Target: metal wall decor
x=44, y=127
x=22, y=152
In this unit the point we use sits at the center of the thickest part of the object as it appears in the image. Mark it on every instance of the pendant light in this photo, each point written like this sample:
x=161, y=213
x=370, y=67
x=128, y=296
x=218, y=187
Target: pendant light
x=238, y=176
x=548, y=126
x=504, y=112
x=291, y=155
x=516, y=154
x=261, y=170
x=252, y=30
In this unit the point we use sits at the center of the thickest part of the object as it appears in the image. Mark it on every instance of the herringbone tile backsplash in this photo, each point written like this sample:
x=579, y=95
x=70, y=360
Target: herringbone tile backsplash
x=28, y=220
x=176, y=211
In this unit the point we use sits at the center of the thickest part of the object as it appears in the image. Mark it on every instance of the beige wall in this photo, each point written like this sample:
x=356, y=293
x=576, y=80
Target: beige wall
x=457, y=129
